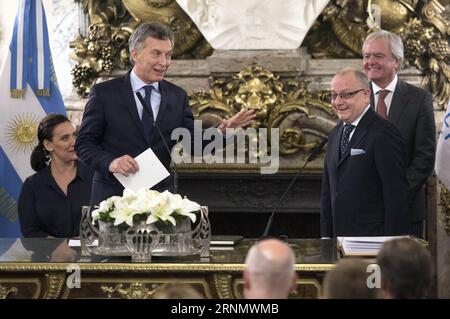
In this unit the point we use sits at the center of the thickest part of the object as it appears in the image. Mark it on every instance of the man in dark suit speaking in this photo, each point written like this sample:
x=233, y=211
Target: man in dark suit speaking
x=364, y=191
x=411, y=110
x=116, y=126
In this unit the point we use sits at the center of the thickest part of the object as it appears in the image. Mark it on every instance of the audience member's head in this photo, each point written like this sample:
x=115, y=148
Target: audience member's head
x=177, y=291
x=348, y=280
x=269, y=271
x=50, y=126
x=406, y=269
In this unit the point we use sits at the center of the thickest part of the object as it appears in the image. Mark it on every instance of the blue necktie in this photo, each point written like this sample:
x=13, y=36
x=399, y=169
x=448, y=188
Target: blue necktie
x=147, y=113
x=348, y=128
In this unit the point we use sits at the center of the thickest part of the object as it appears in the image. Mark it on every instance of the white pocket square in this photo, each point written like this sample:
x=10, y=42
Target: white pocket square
x=357, y=151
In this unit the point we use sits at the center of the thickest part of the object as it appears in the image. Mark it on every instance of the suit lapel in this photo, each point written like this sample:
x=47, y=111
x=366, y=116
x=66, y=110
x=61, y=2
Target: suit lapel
x=162, y=105
x=399, y=102
x=332, y=157
x=127, y=93
x=335, y=148
x=161, y=111
x=372, y=97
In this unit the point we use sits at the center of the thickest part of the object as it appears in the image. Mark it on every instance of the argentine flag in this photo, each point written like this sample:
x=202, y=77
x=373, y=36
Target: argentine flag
x=28, y=91
x=442, y=166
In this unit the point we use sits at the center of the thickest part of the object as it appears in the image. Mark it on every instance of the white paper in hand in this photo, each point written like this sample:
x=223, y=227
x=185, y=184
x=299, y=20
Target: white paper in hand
x=151, y=172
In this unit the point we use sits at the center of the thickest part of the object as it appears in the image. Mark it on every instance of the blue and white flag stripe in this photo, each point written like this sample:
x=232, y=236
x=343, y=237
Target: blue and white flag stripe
x=442, y=166
x=27, y=70
x=41, y=55
x=30, y=30
x=19, y=51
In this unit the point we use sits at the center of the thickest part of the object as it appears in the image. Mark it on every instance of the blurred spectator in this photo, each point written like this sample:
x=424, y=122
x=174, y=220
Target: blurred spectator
x=269, y=271
x=348, y=280
x=406, y=269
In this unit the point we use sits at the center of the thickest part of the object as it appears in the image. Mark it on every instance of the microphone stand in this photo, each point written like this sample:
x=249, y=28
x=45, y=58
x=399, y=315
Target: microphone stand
x=316, y=150
x=175, y=172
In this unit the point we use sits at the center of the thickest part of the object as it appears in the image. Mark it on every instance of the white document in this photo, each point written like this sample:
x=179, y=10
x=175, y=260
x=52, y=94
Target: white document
x=151, y=172
x=77, y=243
x=363, y=246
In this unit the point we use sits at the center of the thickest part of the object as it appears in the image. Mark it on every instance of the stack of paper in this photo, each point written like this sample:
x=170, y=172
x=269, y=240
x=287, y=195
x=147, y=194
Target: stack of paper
x=226, y=240
x=362, y=246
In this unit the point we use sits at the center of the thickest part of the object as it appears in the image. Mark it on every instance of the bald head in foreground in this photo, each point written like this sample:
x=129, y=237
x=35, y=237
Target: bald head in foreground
x=269, y=271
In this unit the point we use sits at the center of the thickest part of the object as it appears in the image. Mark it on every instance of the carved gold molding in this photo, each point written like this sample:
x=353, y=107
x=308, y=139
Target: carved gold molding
x=303, y=117
x=135, y=290
x=111, y=22
x=223, y=285
x=339, y=32
x=139, y=268
x=6, y=291
x=55, y=283
x=30, y=288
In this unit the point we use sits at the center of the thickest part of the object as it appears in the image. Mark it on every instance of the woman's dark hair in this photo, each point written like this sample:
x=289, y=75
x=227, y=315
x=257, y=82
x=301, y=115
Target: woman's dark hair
x=39, y=156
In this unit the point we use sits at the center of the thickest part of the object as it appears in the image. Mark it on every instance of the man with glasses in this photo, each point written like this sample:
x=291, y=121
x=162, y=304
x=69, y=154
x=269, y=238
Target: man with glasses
x=364, y=190
x=410, y=109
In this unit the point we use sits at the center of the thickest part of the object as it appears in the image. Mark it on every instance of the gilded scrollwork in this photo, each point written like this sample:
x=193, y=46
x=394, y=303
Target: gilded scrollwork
x=105, y=47
x=423, y=25
x=5, y=291
x=429, y=50
x=223, y=286
x=54, y=285
x=303, y=117
x=136, y=290
x=339, y=32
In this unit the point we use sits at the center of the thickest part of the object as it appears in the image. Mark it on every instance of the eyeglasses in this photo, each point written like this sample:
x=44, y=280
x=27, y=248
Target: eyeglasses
x=345, y=95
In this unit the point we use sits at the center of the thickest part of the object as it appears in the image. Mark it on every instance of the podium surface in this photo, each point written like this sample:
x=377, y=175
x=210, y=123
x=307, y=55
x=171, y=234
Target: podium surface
x=49, y=268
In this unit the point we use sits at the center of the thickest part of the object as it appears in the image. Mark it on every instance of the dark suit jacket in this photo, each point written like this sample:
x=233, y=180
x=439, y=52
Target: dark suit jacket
x=365, y=194
x=111, y=128
x=44, y=209
x=412, y=113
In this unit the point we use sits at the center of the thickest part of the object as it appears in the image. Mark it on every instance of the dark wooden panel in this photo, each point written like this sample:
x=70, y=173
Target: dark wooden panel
x=240, y=203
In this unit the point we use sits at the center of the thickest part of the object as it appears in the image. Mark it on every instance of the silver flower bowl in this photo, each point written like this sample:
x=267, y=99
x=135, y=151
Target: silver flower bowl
x=143, y=241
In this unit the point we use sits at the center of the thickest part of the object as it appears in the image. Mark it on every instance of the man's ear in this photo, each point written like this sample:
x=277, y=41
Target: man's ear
x=133, y=54
x=294, y=283
x=384, y=292
x=398, y=65
x=246, y=277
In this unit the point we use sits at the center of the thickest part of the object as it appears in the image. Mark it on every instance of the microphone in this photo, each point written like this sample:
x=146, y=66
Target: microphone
x=166, y=146
x=315, y=151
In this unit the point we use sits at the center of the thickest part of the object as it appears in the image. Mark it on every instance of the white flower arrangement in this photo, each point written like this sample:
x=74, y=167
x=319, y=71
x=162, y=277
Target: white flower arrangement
x=148, y=205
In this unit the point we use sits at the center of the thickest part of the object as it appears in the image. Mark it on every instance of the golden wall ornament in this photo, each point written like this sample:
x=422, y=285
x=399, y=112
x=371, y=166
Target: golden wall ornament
x=424, y=27
x=339, y=32
x=136, y=290
x=5, y=292
x=55, y=283
x=304, y=118
x=223, y=285
x=111, y=22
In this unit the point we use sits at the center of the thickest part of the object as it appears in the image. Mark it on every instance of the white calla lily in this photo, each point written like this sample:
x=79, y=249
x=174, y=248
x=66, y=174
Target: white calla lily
x=155, y=206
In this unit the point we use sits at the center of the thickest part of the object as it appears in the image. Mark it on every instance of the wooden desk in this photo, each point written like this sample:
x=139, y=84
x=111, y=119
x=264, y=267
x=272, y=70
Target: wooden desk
x=30, y=268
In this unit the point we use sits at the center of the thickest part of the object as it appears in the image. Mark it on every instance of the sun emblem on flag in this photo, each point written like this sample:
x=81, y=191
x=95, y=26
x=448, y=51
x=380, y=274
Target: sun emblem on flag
x=21, y=132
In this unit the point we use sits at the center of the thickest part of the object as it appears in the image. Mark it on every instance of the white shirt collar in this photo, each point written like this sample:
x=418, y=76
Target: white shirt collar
x=391, y=86
x=356, y=121
x=137, y=83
